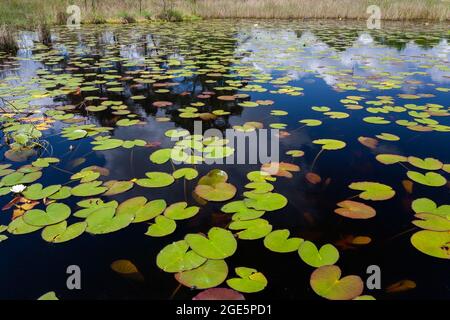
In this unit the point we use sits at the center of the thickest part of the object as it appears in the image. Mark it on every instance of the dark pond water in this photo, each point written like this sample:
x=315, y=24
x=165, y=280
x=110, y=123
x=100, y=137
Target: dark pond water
x=296, y=65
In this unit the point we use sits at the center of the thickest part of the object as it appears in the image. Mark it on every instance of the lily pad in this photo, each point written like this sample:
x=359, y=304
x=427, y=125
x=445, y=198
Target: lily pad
x=249, y=281
x=279, y=241
x=268, y=201
x=186, y=173
x=88, y=189
x=373, y=190
x=117, y=187
x=426, y=164
x=330, y=144
x=432, y=243
x=431, y=179
x=175, y=257
x=425, y=205
x=180, y=211
x=327, y=255
x=326, y=281
x=37, y=192
x=19, y=226
x=156, y=180
x=141, y=209
x=221, y=191
x=58, y=233
x=251, y=229
x=355, y=210
x=54, y=213
x=162, y=227
x=210, y=274
x=219, y=244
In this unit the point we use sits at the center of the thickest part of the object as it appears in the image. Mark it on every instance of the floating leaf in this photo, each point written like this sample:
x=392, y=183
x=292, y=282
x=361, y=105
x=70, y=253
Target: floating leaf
x=88, y=189
x=162, y=227
x=58, y=233
x=54, y=213
x=219, y=244
x=431, y=179
x=19, y=226
x=390, y=158
x=426, y=164
x=268, y=201
x=117, y=187
x=175, y=257
x=251, y=229
x=156, y=180
x=373, y=190
x=49, y=296
x=37, y=192
x=180, y=211
x=281, y=169
x=279, y=241
x=326, y=281
x=249, y=281
x=161, y=156
x=210, y=274
x=433, y=243
x=327, y=255
x=431, y=221
x=221, y=191
x=355, y=210
x=219, y=294
x=186, y=173
x=400, y=286
x=106, y=221
x=330, y=144
x=141, y=209
x=425, y=205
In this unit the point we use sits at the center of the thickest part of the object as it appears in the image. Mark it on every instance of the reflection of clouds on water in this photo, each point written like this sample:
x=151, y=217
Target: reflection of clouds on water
x=269, y=50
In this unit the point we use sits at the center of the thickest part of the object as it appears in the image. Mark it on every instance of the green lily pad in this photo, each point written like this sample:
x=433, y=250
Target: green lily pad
x=373, y=190
x=241, y=211
x=219, y=244
x=106, y=221
x=279, y=241
x=426, y=164
x=390, y=158
x=85, y=176
x=327, y=255
x=249, y=281
x=330, y=144
x=19, y=226
x=432, y=243
x=162, y=227
x=161, y=156
x=208, y=275
x=175, y=257
x=49, y=296
x=117, y=187
x=141, y=209
x=213, y=177
x=92, y=205
x=221, y=191
x=180, y=211
x=311, y=122
x=44, y=162
x=127, y=122
x=186, y=173
x=251, y=229
x=156, y=180
x=431, y=179
x=63, y=193
x=268, y=201
x=376, y=120
x=432, y=222
x=425, y=205
x=55, y=213
x=88, y=189
x=326, y=281
x=107, y=144
x=37, y=192
x=59, y=232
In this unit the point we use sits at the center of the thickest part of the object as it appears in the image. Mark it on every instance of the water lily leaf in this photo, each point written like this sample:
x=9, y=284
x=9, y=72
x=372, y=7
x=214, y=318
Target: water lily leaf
x=432, y=222
x=219, y=244
x=326, y=281
x=252, y=229
x=106, y=220
x=281, y=169
x=37, y=192
x=368, y=142
x=16, y=178
x=311, y=122
x=156, y=180
x=175, y=257
x=432, y=243
x=59, y=232
x=162, y=227
x=241, y=211
x=401, y=286
x=161, y=156
x=127, y=122
x=373, y=190
x=85, y=176
x=175, y=133
x=295, y=153
x=88, y=189
x=55, y=213
x=221, y=191
x=219, y=294
x=93, y=205
x=180, y=211
x=425, y=205
x=249, y=281
x=327, y=255
x=19, y=226
x=213, y=177
x=63, y=193
x=268, y=201
x=44, y=162
x=431, y=179
x=117, y=187
x=260, y=176
x=49, y=296
x=388, y=137
x=186, y=173
x=107, y=144
x=355, y=210
x=426, y=164
x=279, y=241
x=376, y=120
x=330, y=144
x=259, y=187
x=210, y=274
x=141, y=209
x=390, y=158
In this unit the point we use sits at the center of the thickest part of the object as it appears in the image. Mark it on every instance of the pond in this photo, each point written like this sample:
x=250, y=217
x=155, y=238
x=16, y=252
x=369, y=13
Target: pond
x=103, y=114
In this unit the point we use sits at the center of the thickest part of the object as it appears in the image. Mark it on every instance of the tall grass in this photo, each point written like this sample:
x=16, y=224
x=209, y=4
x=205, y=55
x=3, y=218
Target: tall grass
x=8, y=42
x=31, y=13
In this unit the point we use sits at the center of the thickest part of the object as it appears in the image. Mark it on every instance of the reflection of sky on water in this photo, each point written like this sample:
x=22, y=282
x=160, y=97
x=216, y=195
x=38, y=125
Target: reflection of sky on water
x=269, y=49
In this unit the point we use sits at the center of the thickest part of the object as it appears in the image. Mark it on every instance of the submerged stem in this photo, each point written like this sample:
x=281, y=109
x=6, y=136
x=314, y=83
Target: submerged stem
x=315, y=159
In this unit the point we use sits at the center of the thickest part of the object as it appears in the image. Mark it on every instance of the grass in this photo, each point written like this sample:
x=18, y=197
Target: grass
x=31, y=14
